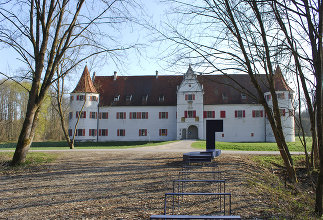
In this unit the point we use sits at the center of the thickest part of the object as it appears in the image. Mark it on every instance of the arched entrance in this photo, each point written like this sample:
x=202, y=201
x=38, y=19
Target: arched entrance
x=192, y=132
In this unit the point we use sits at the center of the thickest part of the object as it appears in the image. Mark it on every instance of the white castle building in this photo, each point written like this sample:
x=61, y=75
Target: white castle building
x=161, y=108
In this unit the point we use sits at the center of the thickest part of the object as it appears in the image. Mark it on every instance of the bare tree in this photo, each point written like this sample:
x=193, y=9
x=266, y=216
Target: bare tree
x=234, y=36
x=48, y=31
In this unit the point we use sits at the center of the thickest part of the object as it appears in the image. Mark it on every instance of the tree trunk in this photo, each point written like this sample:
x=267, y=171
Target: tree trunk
x=26, y=135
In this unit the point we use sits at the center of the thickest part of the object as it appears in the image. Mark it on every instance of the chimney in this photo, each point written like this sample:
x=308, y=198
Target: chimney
x=93, y=76
x=115, y=75
x=156, y=74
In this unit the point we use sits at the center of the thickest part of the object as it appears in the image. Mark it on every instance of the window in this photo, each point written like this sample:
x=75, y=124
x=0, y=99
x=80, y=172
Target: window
x=104, y=115
x=142, y=132
x=70, y=115
x=103, y=132
x=128, y=98
x=161, y=98
x=144, y=115
x=80, y=97
x=92, y=132
x=224, y=96
x=144, y=99
x=93, y=115
x=222, y=114
x=121, y=132
x=240, y=113
x=93, y=98
x=71, y=98
x=70, y=132
x=190, y=114
x=121, y=115
x=82, y=114
x=281, y=95
x=163, y=115
x=209, y=114
x=116, y=98
x=162, y=132
x=243, y=96
x=268, y=97
x=134, y=115
x=257, y=113
x=80, y=132
x=282, y=112
x=189, y=97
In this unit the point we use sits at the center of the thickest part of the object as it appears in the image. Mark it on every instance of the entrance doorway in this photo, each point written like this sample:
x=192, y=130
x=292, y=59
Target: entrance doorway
x=183, y=133
x=192, y=132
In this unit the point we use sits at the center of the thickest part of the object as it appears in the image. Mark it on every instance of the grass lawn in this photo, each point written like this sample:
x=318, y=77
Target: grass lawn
x=263, y=146
x=62, y=145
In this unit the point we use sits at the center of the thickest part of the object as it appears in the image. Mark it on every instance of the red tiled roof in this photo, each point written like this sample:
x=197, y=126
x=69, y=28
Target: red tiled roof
x=218, y=89
x=280, y=83
x=85, y=83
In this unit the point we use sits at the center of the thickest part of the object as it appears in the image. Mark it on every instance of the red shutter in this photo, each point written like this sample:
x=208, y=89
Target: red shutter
x=186, y=96
x=83, y=132
x=77, y=97
x=159, y=115
x=100, y=115
x=284, y=112
x=96, y=115
x=118, y=115
x=77, y=114
x=84, y=114
x=159, y=132
x=106, y=132
x=235, y=113
x=185, y=114
x=145, y=132
x=124, y=132
x=261, y=113
x=139, y=115
x=147, y=115
x=222, y=114
x=244, y=113
x=204, y=114
x=95, y=132
x=193, y=97
x=118, y=132
x=139, y=132
x=130, y=115
x=125, y=116
x=100, y=132
x=213, y=114
x=253, y=113
x=90, y=132
x=194, y=114
x=166, y=114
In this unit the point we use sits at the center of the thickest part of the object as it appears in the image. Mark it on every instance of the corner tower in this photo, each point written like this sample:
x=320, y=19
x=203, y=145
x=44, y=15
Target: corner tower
x=285, y=102
x=83, y=113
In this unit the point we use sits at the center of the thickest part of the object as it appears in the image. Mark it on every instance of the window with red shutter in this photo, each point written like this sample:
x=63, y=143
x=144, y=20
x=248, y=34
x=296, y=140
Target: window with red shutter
x=138, y=115
x=222, y=114
x=185, y=114
x=204, y=114
x=244, y=113
x=84, y=114
x=194, y=114
x=83, y=132
x=100, y=132
x=213, y=114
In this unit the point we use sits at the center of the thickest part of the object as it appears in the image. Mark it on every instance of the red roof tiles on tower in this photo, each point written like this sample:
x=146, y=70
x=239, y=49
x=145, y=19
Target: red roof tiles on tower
x=85, y=83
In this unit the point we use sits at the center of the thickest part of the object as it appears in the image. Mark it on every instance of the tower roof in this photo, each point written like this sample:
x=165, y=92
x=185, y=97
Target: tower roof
x=279, y=80
x=85, y=83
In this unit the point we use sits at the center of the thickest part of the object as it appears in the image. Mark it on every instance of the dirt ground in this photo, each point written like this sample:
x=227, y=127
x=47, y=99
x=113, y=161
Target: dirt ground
x=116, y=185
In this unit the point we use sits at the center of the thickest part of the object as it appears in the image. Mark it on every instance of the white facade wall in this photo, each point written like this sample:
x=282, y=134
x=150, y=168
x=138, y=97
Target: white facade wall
x=244, y=129
x=132, y=126
x=84, y=123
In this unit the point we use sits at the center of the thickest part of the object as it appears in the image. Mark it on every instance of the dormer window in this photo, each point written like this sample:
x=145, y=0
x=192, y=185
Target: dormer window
x=128, y=98
x=224, y=96
x=144, y=99
x=116, y=98
x=161, y=98
x=243, y=96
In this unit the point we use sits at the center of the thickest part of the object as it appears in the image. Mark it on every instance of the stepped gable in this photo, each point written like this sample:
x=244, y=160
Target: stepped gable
x=85, y=83
x=280, y=83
